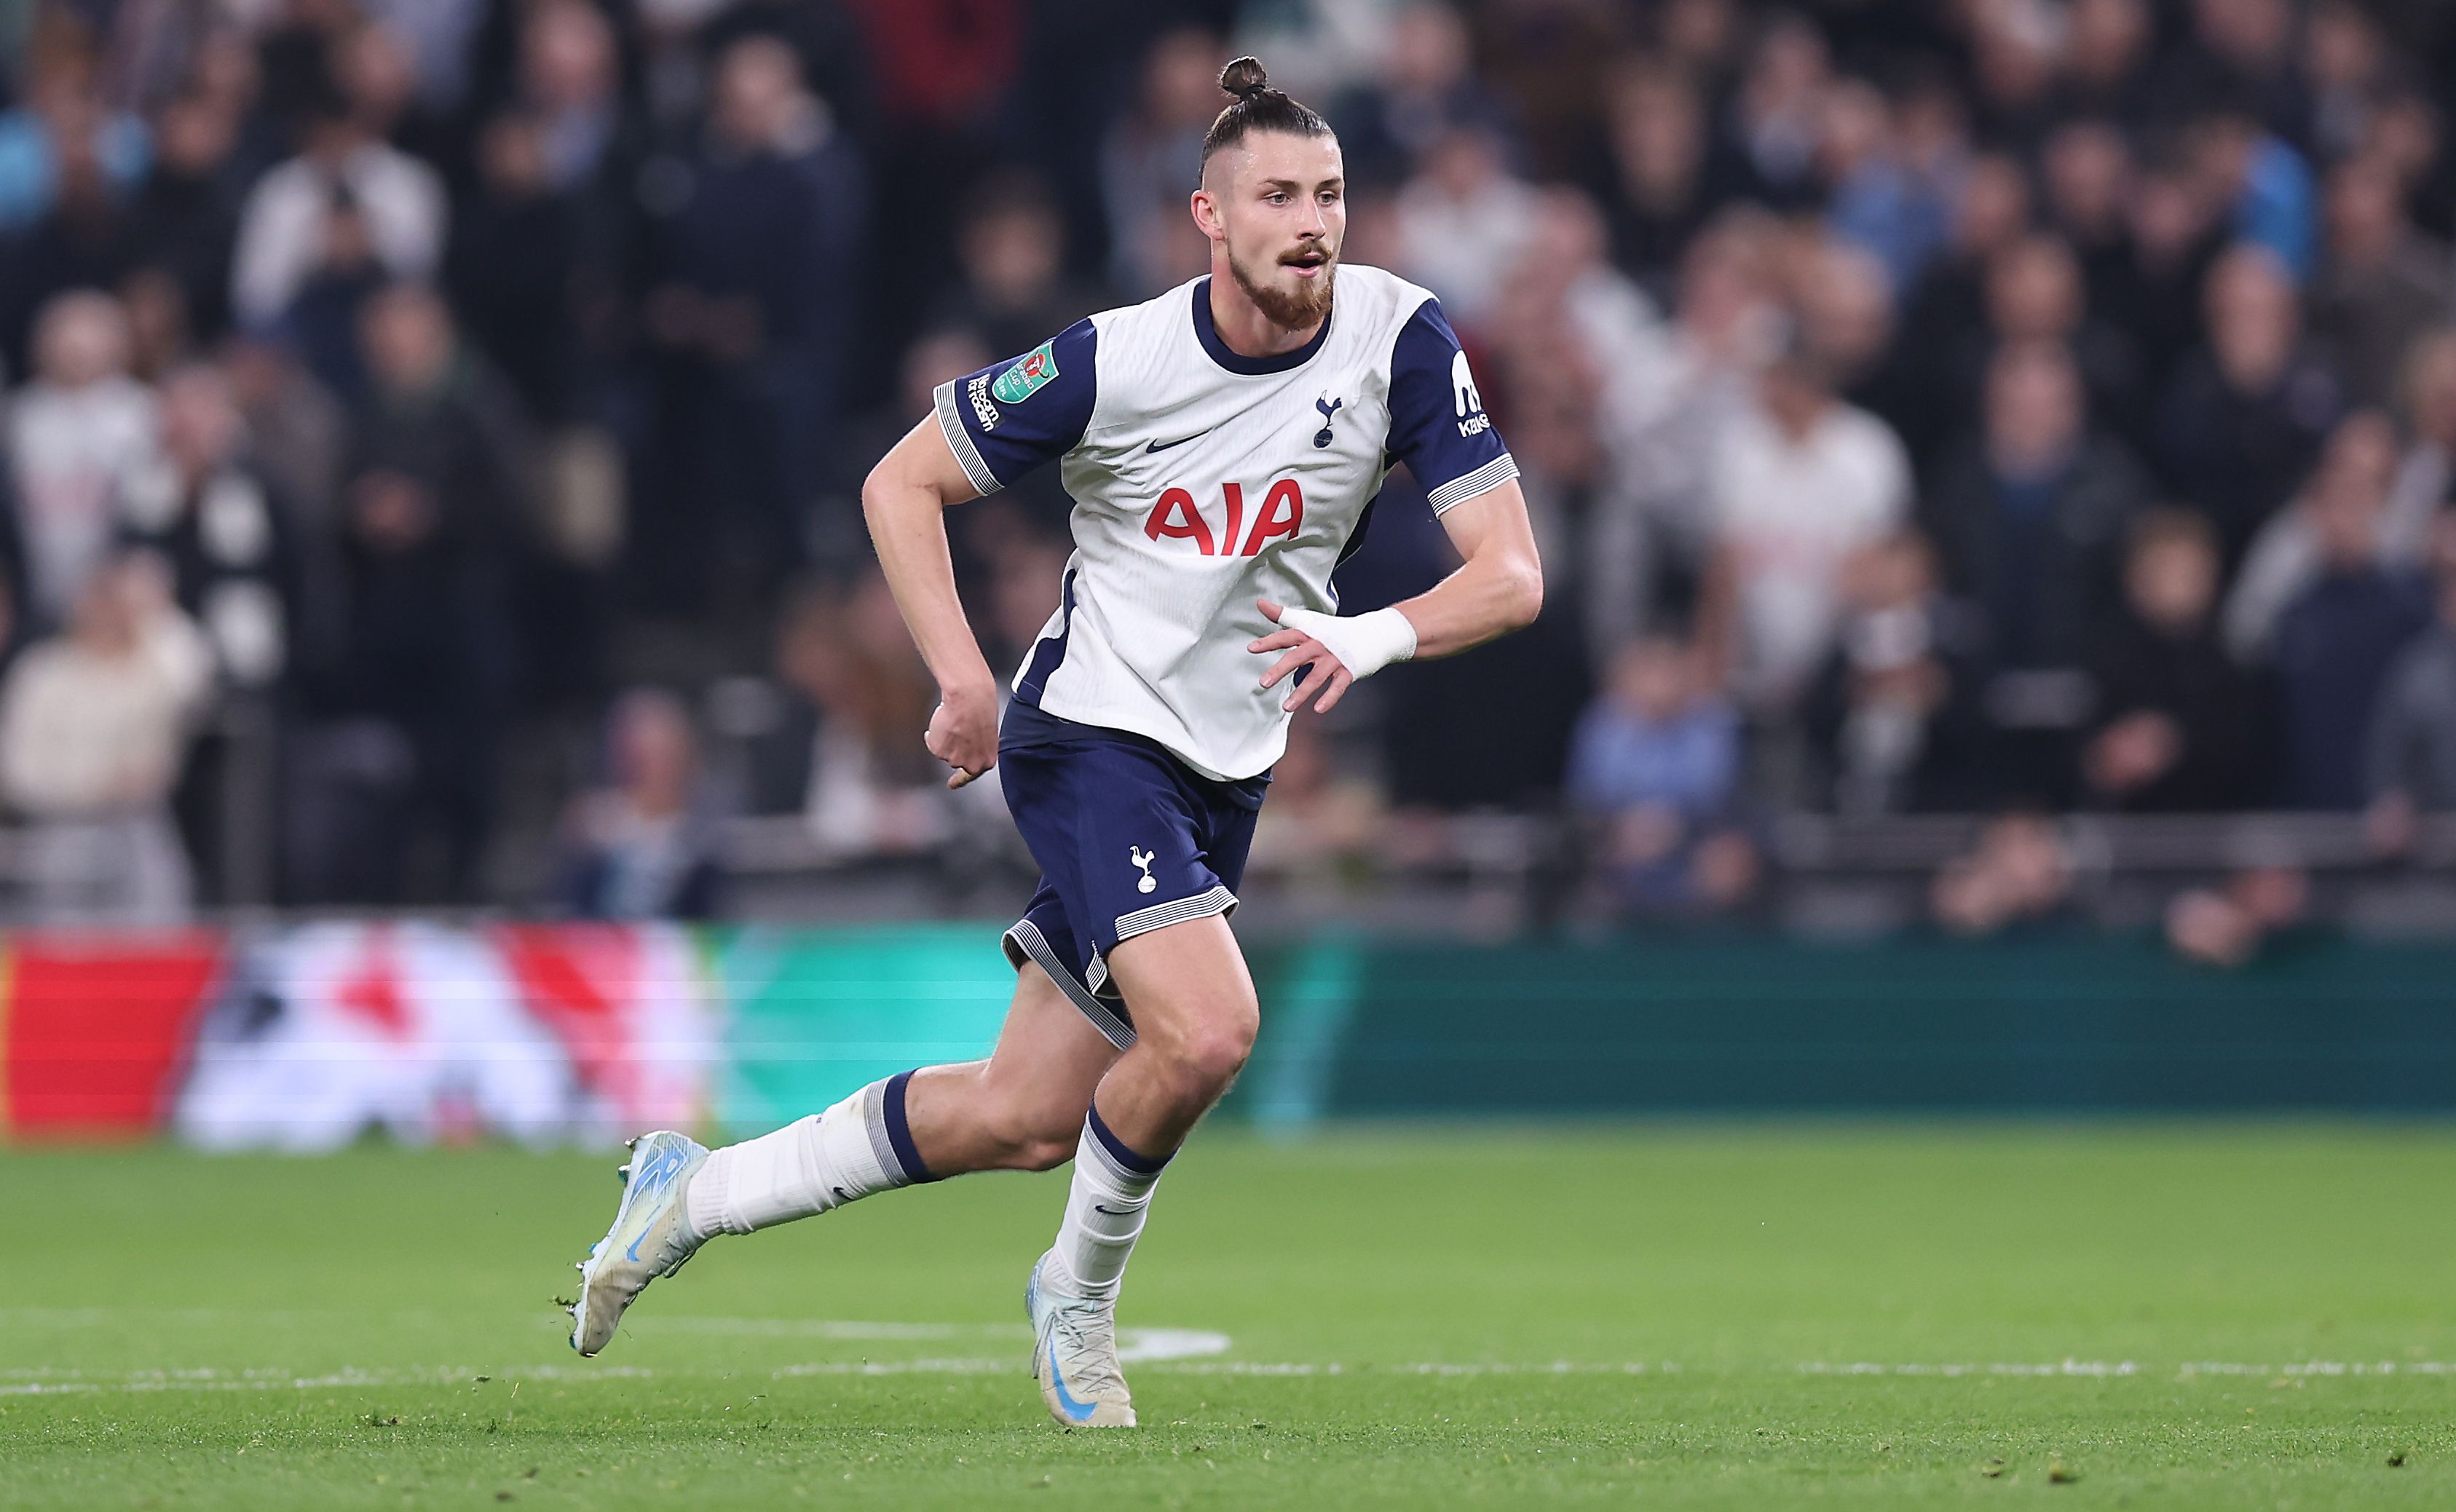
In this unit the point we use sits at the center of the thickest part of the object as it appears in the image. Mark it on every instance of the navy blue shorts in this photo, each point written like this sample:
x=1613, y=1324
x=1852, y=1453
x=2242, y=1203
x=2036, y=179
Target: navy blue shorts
x=1128, y=837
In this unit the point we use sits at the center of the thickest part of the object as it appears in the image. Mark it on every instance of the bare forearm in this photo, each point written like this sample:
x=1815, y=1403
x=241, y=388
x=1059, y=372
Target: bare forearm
x=909, y=529
x=1500, y=587
x=1482, y=600
x=905, y=502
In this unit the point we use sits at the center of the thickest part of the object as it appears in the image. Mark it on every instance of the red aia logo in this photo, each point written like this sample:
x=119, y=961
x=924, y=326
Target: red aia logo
x=1282, y=514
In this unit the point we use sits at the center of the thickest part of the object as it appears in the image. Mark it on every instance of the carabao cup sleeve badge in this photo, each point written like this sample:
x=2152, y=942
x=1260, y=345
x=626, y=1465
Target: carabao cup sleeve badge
x=1025, y=377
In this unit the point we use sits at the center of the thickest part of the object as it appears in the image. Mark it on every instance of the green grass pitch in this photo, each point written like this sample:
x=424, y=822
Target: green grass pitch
x=1857, y=1315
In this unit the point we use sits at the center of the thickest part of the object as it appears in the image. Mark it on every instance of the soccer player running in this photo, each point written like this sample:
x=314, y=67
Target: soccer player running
x=1222, y=444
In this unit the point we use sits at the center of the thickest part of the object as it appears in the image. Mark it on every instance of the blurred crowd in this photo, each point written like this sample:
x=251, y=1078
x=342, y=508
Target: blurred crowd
x=434, y=428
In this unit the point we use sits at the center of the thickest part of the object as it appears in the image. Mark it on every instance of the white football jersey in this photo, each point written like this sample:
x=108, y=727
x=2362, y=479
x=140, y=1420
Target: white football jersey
x=1203, y=481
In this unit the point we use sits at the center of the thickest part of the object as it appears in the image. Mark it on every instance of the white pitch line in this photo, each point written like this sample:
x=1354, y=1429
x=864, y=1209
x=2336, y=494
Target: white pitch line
x=2042, y=1370
x=825, y=1328
x=2066, y=1367
x=2324, y=1367
x=2101, y=1368
x=688, y=1323
x=898, y=1367
x=1175, y=1351
x=1134, y=1345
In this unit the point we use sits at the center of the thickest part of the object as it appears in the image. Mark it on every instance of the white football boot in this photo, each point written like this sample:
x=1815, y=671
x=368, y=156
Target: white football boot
x=652, y=1235
x=1075, y=1357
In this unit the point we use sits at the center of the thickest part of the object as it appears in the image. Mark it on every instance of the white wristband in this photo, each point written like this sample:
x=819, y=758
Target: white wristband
x=1364, y=643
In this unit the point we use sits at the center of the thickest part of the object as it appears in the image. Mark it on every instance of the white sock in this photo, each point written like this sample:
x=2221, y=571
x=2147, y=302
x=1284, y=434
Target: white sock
x=1104, y=1210
x=860, y=1146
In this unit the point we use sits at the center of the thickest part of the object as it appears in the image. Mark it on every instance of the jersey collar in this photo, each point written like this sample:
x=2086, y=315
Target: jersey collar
x=1207, y=335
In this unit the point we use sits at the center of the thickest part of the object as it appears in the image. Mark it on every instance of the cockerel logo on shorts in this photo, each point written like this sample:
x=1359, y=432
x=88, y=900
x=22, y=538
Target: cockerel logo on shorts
x=1143, y=859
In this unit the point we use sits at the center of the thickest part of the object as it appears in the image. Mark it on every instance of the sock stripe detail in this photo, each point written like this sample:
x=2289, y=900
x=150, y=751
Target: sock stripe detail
x=899, y=1130
x=1128, y=1159
x=873, y=1122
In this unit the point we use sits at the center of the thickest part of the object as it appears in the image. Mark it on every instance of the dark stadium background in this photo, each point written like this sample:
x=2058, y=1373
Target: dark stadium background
x=1923, y=978
x=1991, y=459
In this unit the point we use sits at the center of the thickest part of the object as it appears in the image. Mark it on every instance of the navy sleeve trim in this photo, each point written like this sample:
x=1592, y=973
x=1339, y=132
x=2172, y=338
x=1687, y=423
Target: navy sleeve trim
x=1011, y=416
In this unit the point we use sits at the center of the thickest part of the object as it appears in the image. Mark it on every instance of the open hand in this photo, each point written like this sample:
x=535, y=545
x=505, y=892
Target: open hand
x=1302, y=652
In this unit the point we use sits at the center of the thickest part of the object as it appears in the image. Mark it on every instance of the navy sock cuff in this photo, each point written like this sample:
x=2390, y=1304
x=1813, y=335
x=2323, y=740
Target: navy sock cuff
x=899, y=1130
x=1141, y=1165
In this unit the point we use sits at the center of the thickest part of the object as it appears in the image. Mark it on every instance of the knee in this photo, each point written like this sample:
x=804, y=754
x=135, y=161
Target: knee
x=1207, y=1056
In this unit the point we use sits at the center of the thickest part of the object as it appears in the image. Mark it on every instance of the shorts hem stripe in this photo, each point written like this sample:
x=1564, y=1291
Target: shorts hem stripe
x=1026, y=936
x=1142, y=921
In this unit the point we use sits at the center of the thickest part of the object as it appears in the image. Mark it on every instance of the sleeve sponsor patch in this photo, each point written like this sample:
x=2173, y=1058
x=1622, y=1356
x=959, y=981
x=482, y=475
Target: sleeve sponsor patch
x=1028, y=376
x=1472, y=420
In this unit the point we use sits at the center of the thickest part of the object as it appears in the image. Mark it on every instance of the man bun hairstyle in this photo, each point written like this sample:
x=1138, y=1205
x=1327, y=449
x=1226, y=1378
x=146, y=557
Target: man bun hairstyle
x=1257, y=108
x=1244, y=78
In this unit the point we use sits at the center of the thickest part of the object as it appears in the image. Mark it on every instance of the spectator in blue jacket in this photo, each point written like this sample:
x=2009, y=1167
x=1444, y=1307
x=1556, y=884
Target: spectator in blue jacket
x=2336, y=646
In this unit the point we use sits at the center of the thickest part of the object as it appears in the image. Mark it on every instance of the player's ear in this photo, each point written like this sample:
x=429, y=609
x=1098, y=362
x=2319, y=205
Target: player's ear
x=1206, y=214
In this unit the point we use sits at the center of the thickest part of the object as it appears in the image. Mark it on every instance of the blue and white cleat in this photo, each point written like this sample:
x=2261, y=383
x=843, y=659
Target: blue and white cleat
x=652, y=1235
x=1075, y=1357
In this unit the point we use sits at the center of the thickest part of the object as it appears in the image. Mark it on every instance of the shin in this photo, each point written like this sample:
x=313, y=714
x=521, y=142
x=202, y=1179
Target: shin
x=1196, y=1016
x=1019, y=1110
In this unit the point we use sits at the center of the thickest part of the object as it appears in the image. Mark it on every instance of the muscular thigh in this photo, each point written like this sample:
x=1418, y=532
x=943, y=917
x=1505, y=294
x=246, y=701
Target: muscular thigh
x=1130, y=840
x=1047, y=1050
x=1186, y=982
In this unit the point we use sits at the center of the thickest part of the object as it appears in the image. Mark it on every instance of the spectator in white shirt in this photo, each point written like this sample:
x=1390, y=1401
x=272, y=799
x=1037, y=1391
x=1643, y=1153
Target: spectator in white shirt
x=1662, y=404
x=93, y=727
x=77, y=436
x=398, y=199
x=1801, y=482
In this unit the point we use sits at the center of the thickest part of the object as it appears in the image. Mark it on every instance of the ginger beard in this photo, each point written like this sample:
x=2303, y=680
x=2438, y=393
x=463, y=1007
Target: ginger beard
x=1289, y=299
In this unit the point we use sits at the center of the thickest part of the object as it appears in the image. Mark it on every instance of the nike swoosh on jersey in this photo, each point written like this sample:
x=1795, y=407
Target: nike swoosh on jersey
x=1161, y=446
